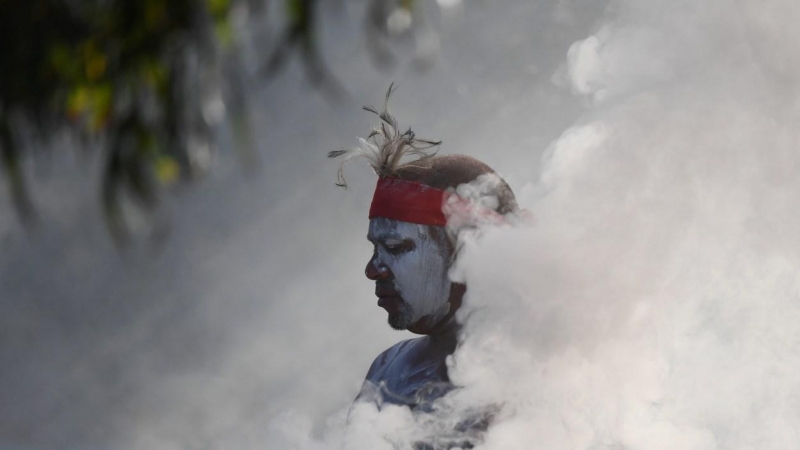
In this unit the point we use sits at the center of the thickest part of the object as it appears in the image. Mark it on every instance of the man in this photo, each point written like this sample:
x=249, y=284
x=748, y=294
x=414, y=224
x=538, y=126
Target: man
x=415, y=218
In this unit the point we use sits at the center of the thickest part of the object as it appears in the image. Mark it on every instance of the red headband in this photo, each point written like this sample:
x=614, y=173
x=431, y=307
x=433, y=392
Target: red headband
x=409, y=201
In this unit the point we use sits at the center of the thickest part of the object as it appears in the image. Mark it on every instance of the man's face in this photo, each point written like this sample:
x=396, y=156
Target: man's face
x=409, y=266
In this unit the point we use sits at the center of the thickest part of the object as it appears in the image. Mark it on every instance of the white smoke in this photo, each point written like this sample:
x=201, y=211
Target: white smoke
x=656, y=303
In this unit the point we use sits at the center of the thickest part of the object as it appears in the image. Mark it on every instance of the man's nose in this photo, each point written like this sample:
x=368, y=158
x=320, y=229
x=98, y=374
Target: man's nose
x=376, y=270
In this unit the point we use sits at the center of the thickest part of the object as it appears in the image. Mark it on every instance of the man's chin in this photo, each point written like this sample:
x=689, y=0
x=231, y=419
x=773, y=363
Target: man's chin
x=402, y=318
x=397, y=321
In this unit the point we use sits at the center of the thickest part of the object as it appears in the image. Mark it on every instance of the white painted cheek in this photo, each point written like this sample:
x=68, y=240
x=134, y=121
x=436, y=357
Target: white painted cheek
x=421, y=275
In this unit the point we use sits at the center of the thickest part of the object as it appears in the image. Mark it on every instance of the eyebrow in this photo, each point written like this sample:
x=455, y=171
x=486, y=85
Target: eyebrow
x=383, y=236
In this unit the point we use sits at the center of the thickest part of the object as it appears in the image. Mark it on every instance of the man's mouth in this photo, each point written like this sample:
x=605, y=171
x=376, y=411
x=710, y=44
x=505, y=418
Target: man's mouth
x=387, y=302
x=388, y=298
x=384, y=289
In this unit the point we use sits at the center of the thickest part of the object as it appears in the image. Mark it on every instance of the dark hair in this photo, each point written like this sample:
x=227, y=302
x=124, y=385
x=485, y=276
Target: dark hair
x=386, y=147
x=450, y=171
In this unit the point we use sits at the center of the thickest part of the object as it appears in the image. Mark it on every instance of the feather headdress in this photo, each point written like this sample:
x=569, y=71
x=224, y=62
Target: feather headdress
x=386, y=147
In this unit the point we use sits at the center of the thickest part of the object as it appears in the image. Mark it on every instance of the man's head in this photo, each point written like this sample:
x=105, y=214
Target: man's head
x=413, y=203
x=413, y=251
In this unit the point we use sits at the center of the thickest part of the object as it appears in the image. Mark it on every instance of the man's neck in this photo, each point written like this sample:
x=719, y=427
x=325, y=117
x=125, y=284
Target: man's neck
x=446, y=330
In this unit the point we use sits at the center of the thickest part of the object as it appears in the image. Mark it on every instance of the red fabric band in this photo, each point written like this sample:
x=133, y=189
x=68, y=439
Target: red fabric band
x=408, y=201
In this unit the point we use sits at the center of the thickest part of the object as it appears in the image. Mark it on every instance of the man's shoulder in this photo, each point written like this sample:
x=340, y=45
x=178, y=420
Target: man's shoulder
x=388, y=355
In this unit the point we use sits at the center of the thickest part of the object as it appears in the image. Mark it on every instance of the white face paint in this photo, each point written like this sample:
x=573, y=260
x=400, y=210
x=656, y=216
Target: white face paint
x=413, y=264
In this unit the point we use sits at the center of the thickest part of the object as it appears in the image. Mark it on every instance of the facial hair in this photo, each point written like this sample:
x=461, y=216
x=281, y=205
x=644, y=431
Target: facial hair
x=402, y=318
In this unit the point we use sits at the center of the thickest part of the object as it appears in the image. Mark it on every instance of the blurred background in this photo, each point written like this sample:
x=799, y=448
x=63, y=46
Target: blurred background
x=178, y=269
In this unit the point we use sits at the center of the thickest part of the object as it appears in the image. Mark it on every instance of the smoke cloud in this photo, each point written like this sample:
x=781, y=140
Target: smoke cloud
x=653, y=304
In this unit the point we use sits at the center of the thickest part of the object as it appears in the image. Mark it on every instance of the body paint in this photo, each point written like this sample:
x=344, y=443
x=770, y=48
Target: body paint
x=420, y=274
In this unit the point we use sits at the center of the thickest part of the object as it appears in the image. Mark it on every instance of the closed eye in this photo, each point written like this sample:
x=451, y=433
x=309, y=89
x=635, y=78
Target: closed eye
x=399, y=247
